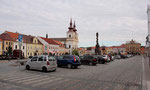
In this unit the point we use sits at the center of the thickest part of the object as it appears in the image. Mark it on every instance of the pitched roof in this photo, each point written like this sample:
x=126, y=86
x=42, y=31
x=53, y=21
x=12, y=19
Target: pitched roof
x=6, y=36
x=50, y=41
x=29, y=39
x=13, y=35
x=26, y=38
x=58, y=42
x=59, y=39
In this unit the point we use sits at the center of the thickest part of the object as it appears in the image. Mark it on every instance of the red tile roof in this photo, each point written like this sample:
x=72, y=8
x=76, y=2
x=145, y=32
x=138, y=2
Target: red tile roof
x=50, y=41
x=5, y=36
x=12, y=34
x=58, y=42
x=1, y=39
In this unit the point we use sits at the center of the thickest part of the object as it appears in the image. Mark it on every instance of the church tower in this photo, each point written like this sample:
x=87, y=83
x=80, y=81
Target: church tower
x=72, y=37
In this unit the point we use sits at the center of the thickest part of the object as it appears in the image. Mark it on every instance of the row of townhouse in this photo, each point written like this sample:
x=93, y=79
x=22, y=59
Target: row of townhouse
x=131, y=47
x=104, y=50
x=30, y=45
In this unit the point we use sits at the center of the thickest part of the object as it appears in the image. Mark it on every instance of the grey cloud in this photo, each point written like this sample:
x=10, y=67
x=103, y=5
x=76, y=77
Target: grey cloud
x=119, y=20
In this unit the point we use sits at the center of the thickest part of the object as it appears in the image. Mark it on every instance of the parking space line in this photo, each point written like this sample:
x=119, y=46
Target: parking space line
x=35, y=80
x=24, y=78
x=30, y=80
x=47, y=81
x=56, y=83
x=17, y=77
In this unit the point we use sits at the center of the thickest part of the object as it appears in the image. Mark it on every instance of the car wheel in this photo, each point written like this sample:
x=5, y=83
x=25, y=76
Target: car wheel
x=44, y=69
x=54, y=70
x=103, y=62
x=69, y=66
x=91, y=63
x=75, y=66
x=27, y=67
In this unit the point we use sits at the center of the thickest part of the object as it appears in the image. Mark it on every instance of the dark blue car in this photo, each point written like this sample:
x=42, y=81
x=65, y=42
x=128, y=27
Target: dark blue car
x=71, y=61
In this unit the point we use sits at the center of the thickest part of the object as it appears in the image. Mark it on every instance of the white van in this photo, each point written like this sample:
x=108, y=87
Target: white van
x=42, y=62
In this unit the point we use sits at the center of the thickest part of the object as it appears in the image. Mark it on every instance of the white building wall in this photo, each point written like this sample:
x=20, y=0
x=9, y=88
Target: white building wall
x=53, y=48
x=44, y=43
x=23, y=48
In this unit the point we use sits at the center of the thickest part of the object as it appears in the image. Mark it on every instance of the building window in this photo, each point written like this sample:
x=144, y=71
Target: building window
x=6, y=43
x=9, y=43
x=70, y=36
x=69, y=46
x=28, y=53
x=23, y=47
x=6, y=48
x=16, y=46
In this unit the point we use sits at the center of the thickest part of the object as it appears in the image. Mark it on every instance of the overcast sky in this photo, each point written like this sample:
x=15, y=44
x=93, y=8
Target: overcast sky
x=116, y=21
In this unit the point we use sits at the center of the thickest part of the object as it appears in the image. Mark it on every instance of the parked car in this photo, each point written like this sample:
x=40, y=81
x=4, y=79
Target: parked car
x=123, y=56
x=129, y=55
x=106, y=57
x=42, y=62
x=113, y=58
x=71, y=61
x=100, y=59
x=89, y=59
x=117, y=57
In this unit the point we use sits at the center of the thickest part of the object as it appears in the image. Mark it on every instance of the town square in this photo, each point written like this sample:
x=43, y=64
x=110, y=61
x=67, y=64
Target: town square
x=75, y=45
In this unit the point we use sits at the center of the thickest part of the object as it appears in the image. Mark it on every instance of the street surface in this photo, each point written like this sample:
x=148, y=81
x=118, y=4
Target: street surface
x=123, y=74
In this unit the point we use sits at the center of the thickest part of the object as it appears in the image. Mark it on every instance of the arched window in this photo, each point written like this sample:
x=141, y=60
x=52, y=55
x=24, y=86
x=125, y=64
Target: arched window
x=16, y=47
x=69, y=36
x=69, y=46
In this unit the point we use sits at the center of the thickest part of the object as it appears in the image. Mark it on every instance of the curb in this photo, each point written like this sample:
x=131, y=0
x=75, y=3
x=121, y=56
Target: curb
x=145, y=82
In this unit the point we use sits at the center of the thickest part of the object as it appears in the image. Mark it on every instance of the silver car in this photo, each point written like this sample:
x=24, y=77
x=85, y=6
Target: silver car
x=42, y=62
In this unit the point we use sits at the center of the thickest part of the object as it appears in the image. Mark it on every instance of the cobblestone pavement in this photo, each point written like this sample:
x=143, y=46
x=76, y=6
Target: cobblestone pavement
x=124, y=74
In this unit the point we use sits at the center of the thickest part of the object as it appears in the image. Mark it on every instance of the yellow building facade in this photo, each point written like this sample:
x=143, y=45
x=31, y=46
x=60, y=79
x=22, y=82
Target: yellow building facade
x=6, y=45
x=133, y=47
x=1, y=49
x=34, y=48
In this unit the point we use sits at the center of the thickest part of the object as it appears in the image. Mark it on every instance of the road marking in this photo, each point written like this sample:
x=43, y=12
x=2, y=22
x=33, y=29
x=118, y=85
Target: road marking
x=30, y=81
x=24, y=78
x=64, y=85
x=56, y=83
x=17, y=77
x=47, y=81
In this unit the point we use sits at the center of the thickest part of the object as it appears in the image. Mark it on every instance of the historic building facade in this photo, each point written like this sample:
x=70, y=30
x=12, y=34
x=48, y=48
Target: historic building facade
x=133, y=47
x=30, y=45
x=71, y=41
x=7, y=42
x=1, y=43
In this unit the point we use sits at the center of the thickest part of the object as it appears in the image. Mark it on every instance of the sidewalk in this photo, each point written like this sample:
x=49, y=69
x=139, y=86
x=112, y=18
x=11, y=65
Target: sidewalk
x=14, y=62
x=146, y=74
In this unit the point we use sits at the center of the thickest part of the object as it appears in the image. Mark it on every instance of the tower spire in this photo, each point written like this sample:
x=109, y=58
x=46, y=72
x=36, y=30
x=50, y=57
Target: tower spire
x=70, y=27
x=74, y=27
x=71, y=22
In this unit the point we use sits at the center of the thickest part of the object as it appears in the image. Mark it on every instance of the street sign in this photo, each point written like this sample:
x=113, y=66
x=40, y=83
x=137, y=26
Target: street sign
x=20, y=38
